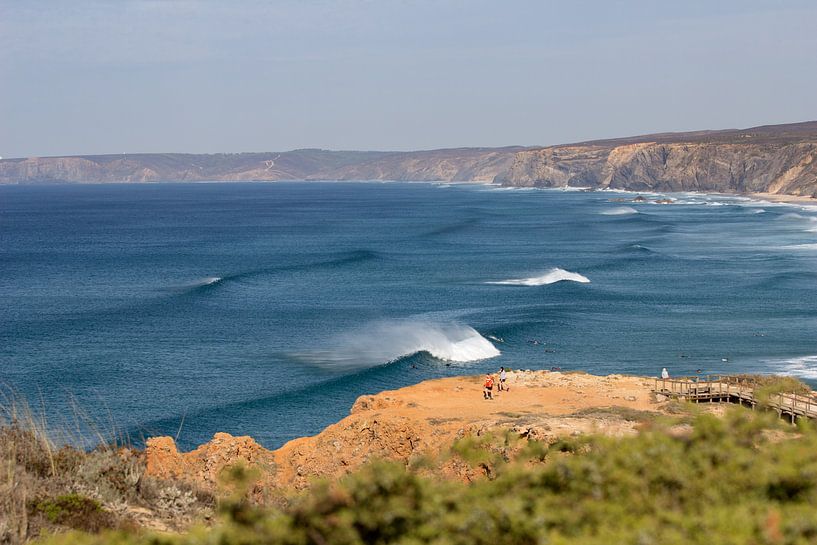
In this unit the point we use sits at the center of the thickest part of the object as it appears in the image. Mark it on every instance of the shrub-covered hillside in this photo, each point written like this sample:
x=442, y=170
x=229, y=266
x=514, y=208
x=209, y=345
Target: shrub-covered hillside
x=743, y=479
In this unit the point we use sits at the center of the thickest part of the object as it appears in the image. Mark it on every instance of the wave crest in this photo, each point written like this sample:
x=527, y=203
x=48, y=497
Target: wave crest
x=551, y=277
x=799, y=217
x=620, y=211
x=384, y=342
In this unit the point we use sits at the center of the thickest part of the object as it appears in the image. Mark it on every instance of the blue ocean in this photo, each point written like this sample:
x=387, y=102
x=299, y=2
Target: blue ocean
x=267, y=308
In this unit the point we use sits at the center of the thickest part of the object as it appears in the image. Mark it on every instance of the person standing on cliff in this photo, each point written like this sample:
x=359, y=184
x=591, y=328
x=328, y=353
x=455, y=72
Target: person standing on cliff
x=502, y=376
x=488, y=387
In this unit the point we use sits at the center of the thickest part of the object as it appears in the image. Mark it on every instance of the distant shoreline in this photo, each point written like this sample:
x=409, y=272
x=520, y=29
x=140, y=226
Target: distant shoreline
x=785, y=199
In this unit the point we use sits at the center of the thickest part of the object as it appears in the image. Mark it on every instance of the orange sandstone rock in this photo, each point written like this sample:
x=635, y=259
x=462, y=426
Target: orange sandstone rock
x=417, y=420
x=203, y=465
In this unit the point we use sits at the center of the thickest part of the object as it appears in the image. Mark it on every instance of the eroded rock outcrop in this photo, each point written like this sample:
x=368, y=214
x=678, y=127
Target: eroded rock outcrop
x=421, y=420
x=204, y=465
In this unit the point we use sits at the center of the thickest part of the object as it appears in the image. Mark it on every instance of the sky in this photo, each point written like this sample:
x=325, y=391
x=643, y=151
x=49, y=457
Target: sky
x=93, y=77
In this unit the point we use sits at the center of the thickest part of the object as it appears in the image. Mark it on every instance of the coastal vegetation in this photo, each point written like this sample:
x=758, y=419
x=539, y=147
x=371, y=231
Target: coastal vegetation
x=686, y=477
x=744, y=478
x=47, y=485
x=766, y=386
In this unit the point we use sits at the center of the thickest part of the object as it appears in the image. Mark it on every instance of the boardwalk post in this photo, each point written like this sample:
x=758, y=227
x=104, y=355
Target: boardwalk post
x=737, y=390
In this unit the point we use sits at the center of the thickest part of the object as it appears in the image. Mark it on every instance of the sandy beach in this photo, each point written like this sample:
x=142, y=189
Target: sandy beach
x=788, y=199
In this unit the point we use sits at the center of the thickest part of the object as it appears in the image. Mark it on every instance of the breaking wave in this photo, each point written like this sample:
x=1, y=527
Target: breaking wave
x=638, y=248
x=804, y=367
x=195, y=285
x=385, y=342
x=800, y=217
x=620, y=211
x=550, y=277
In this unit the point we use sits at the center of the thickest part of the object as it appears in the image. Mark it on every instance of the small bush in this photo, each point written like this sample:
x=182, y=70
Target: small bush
x=74, y=511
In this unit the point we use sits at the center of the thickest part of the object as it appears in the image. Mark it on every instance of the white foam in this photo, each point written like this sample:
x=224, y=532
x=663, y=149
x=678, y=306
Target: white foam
x=550, y=277
x=802, y=247
x=792, y=216
x=796, y=216
x=807, y=221
x=201, y=282
x=384, y=342
x=620, y=211
x=641, y=193
x=541, y=188
x=804, y=366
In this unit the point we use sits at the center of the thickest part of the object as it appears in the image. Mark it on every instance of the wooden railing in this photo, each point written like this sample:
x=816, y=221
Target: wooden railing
x=803, y=405
x=735, y=389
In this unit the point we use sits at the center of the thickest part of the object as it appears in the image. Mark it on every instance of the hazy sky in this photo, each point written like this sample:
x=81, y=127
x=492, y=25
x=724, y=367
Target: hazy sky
x=225, y=76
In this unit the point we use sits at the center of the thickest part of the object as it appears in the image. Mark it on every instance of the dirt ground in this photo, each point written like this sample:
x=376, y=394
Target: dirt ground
x=424, y=419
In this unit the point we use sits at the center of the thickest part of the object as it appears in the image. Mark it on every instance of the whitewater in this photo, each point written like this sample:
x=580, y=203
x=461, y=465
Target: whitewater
x=385, y=342
x=551, y=277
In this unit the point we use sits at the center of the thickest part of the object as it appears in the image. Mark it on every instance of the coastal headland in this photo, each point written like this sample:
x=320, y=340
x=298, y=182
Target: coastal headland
x=423, y=420
x=771, y=159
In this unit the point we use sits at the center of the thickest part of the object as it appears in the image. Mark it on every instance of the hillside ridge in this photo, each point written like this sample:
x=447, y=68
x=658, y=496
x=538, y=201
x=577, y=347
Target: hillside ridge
x=773, y=159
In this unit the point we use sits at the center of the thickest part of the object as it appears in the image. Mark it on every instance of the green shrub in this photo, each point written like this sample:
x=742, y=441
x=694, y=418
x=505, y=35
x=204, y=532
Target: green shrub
x=74, y=511
x=728, y=481
x=766, y=386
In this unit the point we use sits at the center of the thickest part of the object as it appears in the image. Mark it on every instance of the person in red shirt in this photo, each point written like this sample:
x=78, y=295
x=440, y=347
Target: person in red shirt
x=488, y=387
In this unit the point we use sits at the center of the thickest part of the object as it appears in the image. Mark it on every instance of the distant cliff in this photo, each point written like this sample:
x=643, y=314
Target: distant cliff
x=466, y=164
x=775, y=159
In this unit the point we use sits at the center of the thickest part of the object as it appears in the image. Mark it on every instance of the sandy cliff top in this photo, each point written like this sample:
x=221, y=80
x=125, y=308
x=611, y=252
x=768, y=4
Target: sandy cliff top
x=423, y=419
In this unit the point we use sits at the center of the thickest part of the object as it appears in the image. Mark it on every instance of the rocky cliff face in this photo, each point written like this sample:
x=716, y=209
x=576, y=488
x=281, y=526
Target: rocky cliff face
x=446, y=165
x=778, y=159
x=789, y=168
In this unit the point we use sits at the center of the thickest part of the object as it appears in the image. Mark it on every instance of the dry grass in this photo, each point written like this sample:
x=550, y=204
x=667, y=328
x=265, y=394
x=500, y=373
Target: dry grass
x=617, y=412
x=51, y=479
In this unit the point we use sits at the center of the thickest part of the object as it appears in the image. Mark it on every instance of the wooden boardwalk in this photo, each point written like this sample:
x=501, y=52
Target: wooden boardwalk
x=732, y=389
